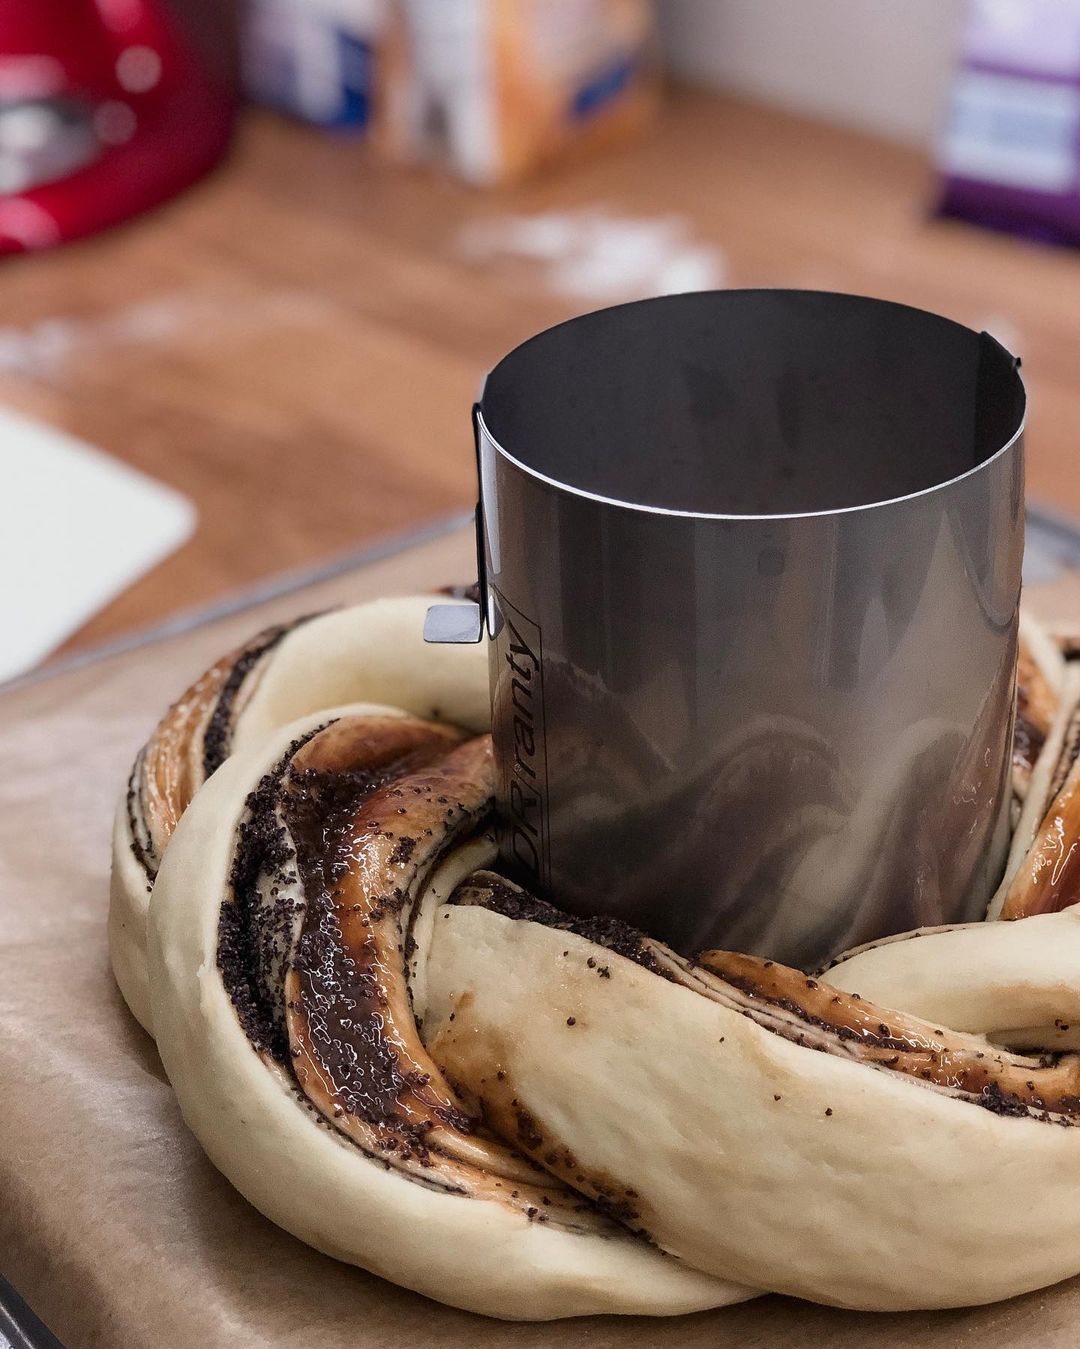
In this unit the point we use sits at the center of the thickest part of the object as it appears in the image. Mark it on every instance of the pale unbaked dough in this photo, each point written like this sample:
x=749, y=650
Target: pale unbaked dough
x=753, y=1161
x=755, y=1158
x=368, y=653
x=470, y=1253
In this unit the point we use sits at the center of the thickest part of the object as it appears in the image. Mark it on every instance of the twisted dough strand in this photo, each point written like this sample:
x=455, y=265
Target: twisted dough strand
x=371, y=654
x=345, y=1131
x=413, y=1065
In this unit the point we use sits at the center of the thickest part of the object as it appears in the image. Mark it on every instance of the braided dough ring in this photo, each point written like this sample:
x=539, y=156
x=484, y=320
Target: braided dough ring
x=370, y=653
x=766, y=1129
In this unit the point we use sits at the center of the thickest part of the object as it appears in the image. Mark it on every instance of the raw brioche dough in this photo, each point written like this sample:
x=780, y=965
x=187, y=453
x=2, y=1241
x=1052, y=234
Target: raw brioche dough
x=1019, y=986
x=754, y=1158
x=469, y=1252
x=534, y=1116
x=368, y=653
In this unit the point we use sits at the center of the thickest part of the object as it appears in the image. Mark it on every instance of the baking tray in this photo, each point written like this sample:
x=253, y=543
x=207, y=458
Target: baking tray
x=67, y=735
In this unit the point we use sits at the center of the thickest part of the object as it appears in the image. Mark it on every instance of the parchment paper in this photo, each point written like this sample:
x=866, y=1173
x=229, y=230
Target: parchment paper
x=113, y=1225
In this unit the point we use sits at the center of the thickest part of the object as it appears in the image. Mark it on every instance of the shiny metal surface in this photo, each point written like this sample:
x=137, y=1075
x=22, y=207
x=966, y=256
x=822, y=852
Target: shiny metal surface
x=752, y=574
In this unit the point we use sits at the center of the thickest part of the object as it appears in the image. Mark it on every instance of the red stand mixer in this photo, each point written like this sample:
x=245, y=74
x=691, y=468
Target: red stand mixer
x=106, y=109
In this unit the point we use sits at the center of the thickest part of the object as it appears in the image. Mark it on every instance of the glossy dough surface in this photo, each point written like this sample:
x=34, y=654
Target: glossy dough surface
x=476, y=1251
x=372, y=653
x=413, y=1065
x=752, y=1156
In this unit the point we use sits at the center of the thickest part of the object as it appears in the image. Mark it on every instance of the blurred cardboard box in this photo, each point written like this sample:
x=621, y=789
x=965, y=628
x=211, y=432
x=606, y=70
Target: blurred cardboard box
x=497, y=89
x=493, y=89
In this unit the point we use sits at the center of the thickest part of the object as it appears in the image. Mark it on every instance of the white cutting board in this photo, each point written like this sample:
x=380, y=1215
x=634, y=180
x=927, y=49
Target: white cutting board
x=76, y=527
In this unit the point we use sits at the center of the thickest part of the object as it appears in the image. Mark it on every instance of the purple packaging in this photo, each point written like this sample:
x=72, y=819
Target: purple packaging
x=1010, y=152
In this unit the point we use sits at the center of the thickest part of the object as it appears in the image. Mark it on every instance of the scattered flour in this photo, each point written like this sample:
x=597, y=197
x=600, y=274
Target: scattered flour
x=592, y=254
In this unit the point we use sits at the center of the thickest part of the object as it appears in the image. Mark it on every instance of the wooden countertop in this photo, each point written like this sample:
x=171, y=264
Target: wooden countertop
x=297, y=341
